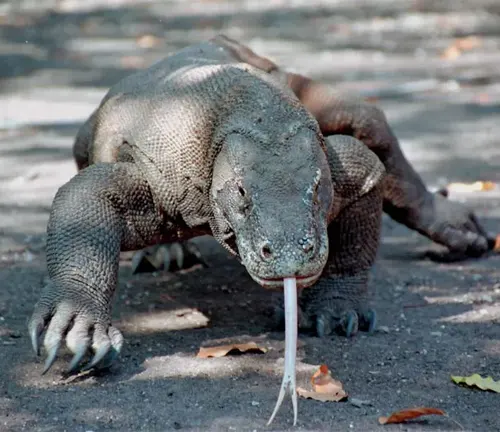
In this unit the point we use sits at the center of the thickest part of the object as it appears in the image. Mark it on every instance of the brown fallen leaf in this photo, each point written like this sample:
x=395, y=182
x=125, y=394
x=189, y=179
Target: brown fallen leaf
x=321, y=397
x=325, y=388
x=496, y=248
x=223, y=350
x=408, y=414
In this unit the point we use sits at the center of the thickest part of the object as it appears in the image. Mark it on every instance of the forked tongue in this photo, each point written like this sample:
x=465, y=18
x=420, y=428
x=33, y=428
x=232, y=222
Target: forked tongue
x=288, y=382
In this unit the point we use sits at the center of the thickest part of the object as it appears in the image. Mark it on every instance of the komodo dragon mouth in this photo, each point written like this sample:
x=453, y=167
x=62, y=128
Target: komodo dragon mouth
x=274, y=283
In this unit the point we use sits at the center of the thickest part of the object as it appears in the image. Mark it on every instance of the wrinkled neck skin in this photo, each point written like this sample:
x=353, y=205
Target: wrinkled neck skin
x=272, y=193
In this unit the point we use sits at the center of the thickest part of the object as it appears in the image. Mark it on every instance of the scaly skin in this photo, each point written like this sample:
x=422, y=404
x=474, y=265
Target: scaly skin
x=216, y=140
x=406, y=198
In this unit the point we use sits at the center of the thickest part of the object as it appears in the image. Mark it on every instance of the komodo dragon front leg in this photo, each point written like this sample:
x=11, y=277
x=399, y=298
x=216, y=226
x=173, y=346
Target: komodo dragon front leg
x=406, y=198
x=102, y=210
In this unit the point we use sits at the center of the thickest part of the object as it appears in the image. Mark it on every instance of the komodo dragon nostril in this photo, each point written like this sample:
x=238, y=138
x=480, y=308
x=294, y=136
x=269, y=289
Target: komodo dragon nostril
x=265, y=251
x=308, y=247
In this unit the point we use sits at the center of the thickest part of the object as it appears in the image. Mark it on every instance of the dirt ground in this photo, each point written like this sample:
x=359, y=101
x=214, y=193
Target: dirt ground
x=432, y=65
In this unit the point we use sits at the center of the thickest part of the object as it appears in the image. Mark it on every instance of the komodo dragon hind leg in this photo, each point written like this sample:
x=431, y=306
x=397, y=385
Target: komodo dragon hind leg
x=167, y=257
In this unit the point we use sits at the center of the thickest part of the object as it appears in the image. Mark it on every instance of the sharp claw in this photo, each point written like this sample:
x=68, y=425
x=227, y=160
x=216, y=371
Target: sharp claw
x=137, y=260
x=116, y=338
x=349, y=323
x=322, y=326
x=108, y=359
x=371, y=318
x=178, y=253
x=98, y=356
x=116, y=346
x=35, y=332
x=193, y=250
x=77, y=358
x=166, y=258
x=51, y=357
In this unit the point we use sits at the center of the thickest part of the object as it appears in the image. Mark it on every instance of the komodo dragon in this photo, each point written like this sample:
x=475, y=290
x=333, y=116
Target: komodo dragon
x=284, y=172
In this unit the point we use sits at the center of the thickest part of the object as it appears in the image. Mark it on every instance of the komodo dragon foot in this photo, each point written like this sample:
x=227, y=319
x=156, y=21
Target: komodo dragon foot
x=168, y=257
x=333, y=305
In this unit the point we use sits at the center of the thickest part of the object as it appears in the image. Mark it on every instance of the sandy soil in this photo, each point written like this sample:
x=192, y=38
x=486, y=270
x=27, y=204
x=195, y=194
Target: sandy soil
x=443, y=99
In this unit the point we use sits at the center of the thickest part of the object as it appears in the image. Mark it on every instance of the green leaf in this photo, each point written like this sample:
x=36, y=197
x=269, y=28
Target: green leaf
x=476, y=380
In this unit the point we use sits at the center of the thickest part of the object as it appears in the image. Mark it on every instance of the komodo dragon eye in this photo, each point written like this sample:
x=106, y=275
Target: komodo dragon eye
x=244, y=206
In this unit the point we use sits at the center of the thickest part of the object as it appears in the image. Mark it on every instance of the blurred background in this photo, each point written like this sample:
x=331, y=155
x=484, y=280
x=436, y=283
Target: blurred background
x=434, y=66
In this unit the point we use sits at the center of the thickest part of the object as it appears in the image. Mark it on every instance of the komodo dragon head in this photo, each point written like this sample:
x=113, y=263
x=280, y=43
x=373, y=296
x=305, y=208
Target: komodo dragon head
x=272, y=189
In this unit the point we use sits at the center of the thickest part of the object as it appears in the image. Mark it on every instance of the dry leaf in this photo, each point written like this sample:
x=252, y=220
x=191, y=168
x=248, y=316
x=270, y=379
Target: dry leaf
x=408, y=414
x=322, y=397
x=496, y=248
x=322, y=381
x=325, y=388
x=468, y=43
x=451, y=53
x=479, y=186
x=223, y=350
x=148, y=41
x=478, y=381
x=459, y=45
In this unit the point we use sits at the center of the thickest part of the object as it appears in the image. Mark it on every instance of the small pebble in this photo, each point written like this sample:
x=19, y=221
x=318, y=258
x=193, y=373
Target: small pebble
x=358, y=402
x=436, y=333
x=255, y=403
x=383, y=329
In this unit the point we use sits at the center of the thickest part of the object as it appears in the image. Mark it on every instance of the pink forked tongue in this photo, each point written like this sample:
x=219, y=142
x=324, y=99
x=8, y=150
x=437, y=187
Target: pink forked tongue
x=291, y=324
